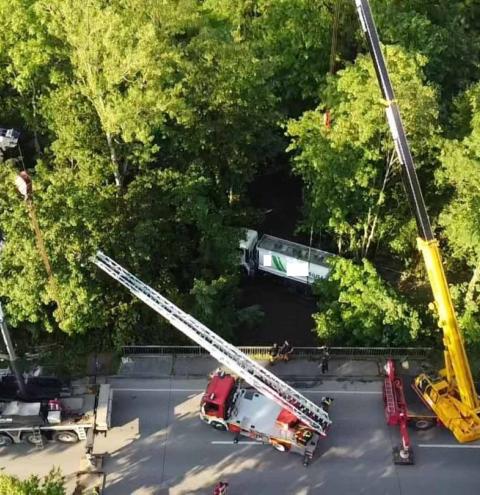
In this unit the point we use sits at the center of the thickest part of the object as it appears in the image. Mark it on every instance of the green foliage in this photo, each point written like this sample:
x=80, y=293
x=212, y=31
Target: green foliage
x=357, y=308
x=152, y=120
x=52, y=484
x=460, y=217
x=446, y=32
x=143, y=125
x=351, y=171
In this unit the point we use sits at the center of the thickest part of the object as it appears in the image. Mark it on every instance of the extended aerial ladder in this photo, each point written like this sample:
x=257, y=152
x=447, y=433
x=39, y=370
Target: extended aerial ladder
x=451, y=395
x=255, y=375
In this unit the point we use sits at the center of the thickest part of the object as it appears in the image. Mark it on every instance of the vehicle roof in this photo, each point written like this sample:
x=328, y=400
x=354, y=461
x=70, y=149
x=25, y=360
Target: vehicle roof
x=294, y=250
x=220, y=386
x=256, y=412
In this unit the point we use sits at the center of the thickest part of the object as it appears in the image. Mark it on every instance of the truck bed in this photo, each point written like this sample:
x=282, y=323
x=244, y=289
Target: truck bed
x=79, y=409
x=416, y=408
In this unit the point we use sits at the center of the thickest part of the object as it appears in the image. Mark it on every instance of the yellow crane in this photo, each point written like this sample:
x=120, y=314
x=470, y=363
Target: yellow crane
x=451, y=393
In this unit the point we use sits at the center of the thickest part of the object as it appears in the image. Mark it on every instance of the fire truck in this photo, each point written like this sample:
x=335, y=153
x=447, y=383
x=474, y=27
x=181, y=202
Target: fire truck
x=226, y=405
x=450, y=393
x=270, y=411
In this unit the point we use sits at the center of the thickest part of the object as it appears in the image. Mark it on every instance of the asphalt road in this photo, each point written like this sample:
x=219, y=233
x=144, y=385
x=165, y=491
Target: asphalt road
x=159, y=446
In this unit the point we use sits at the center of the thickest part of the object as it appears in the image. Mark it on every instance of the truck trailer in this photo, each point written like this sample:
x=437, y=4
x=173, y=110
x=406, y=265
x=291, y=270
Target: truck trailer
x=283, y=258
x=64, y=420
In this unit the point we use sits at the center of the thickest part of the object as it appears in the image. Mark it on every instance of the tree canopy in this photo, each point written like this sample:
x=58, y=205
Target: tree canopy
x=144, y=125
x=52, y=484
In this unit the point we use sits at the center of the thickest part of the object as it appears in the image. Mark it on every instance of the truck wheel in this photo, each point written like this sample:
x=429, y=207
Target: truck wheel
x=218, y=426
x=32, y=439
x=423, y=424
x=65, y=437
x=5, y=440
x=280, y=447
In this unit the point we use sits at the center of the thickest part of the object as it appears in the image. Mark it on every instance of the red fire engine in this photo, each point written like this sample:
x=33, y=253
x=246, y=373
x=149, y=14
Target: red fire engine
x=228, y=406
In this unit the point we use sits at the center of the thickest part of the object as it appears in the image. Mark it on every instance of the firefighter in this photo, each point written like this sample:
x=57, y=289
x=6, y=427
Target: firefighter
x=274, y=352
x=303, y=435
x=285, y=351
x=326, y=403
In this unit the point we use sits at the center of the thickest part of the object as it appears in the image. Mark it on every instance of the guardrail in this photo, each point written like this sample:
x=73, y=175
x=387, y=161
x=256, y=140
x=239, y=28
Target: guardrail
x=301, y=352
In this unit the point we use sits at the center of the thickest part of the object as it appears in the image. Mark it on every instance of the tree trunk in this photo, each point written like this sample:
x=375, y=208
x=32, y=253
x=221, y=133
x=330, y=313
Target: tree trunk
x=117, y=172
x=36, y=142
x=391, y=160
x=471, y=285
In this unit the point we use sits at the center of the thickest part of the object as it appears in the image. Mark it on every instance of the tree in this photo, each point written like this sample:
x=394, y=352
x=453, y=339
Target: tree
x=295, y=37
x=148, y=117
x=52, y=484
x=351, y=171
x=460, y=217
x=357, y=308
x=445, y=32
x=28, y=54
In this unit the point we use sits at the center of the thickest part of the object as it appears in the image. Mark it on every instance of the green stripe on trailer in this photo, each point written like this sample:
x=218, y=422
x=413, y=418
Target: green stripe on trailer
x=278, y=264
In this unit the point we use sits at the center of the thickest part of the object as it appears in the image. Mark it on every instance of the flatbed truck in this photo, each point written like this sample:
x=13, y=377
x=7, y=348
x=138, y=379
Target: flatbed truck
x=64, y=420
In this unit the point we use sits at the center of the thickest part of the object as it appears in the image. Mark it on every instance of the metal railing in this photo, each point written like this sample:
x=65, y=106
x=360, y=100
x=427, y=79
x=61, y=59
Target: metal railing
x=300, y=352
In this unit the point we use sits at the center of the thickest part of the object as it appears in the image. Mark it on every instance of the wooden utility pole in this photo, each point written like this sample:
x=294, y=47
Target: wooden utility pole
x=11, y=355
x=24, y=186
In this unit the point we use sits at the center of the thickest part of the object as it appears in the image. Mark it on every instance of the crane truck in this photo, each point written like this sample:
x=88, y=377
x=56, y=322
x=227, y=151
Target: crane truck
x=271, y=412
x=450, y=393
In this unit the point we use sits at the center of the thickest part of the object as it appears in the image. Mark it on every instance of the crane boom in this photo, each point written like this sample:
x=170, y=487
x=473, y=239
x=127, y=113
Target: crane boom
x=451, y=395
x=255, y=375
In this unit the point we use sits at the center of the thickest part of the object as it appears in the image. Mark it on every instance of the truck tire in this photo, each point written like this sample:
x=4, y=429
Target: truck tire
x=423, y=424
x=5, y=440
x=280, y=447
x=30, y=438
x=65, y=437
x=218, y=426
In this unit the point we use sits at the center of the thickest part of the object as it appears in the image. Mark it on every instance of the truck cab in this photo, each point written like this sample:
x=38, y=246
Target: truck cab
x=218, y=398
x=247, y=250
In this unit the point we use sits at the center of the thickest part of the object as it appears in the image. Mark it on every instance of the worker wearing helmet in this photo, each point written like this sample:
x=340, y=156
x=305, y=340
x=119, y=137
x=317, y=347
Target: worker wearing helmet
x=285, y=351
x=274, y=352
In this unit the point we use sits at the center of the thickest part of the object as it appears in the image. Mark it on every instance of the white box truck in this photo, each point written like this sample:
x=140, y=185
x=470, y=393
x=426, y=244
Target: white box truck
x=283, y=258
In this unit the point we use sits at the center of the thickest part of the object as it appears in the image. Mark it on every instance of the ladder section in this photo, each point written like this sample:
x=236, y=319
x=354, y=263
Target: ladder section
x=231, y=357
x=37, y=438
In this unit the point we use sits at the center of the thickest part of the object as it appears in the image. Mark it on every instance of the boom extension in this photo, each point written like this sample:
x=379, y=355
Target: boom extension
x=451, y=395
x=258, y=377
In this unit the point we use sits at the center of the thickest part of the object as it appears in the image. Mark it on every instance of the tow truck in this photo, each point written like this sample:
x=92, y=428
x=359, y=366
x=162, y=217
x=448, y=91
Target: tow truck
x=450, y=393
x=270, y=411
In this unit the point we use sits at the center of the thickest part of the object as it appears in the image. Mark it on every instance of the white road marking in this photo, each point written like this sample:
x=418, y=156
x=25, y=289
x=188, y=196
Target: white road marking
x=447, y=446
x=219, y=442
x=159, y=389
x=359, y=392
x=306, y=391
